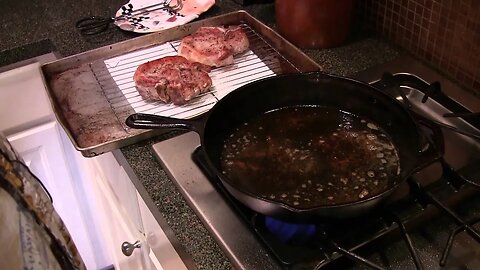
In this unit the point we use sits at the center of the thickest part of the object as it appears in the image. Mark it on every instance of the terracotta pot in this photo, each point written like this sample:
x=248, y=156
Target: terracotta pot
x=314, y=23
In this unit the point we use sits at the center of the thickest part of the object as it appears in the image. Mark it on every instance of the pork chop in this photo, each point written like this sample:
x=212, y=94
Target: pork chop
x=172, y=79
x=214, y=46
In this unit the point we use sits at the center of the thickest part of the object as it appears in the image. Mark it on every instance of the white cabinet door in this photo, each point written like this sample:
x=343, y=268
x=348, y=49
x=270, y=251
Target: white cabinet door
x=115, y=207
x=137, y=222
x=130, y=220
x=42, y=151
x=119, y=225
x=162, y=253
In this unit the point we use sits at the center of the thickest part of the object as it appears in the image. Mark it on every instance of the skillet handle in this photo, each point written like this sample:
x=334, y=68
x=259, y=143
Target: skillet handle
x=151, y=121
x=434, y=146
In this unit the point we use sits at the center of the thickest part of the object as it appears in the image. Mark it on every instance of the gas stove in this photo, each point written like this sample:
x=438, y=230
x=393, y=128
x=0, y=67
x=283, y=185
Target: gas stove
x=430, y=222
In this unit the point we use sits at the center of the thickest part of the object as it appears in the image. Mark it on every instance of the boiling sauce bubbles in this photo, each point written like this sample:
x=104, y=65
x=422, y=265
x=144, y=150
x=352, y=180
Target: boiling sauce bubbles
x=310, y=156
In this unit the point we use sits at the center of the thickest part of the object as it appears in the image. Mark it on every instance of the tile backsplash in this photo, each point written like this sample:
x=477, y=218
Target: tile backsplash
x=444, y=33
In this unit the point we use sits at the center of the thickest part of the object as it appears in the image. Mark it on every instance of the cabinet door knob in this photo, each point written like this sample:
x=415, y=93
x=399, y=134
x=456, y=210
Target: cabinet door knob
x=128, y=248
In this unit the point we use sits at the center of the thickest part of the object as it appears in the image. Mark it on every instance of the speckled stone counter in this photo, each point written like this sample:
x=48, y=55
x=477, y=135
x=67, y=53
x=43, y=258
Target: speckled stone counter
x=31, y=29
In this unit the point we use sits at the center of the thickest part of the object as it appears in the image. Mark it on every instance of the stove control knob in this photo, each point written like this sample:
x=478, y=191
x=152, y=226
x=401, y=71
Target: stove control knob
x=127, y=248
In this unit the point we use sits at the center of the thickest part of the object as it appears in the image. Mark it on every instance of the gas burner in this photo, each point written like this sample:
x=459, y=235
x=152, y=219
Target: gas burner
x=291, y=233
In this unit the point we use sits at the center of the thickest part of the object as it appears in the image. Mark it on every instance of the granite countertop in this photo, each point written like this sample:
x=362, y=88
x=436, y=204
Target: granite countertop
x=34, y=28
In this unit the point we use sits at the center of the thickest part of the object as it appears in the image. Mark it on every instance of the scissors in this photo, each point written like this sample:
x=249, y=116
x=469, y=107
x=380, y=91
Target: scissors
x=93, y=25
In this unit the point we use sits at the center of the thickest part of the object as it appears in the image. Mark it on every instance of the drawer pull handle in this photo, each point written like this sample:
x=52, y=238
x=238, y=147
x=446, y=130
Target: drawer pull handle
x=128, y=248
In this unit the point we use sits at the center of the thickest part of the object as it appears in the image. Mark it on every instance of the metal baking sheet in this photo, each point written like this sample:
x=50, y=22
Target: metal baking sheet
x=93, y=92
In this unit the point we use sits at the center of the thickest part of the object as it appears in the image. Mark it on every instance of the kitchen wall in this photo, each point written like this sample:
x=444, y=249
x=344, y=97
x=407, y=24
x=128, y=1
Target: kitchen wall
x=444, y=33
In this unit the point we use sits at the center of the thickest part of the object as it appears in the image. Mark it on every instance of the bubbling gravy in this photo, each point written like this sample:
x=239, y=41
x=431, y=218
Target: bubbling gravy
x=310, y=156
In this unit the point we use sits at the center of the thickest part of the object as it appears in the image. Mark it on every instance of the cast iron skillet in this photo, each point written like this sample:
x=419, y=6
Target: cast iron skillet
x=303, y=89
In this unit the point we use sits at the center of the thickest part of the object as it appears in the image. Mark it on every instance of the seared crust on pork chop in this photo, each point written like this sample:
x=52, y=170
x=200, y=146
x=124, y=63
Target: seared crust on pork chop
x=172, y=79
x=236, y=39
x=214, y=46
